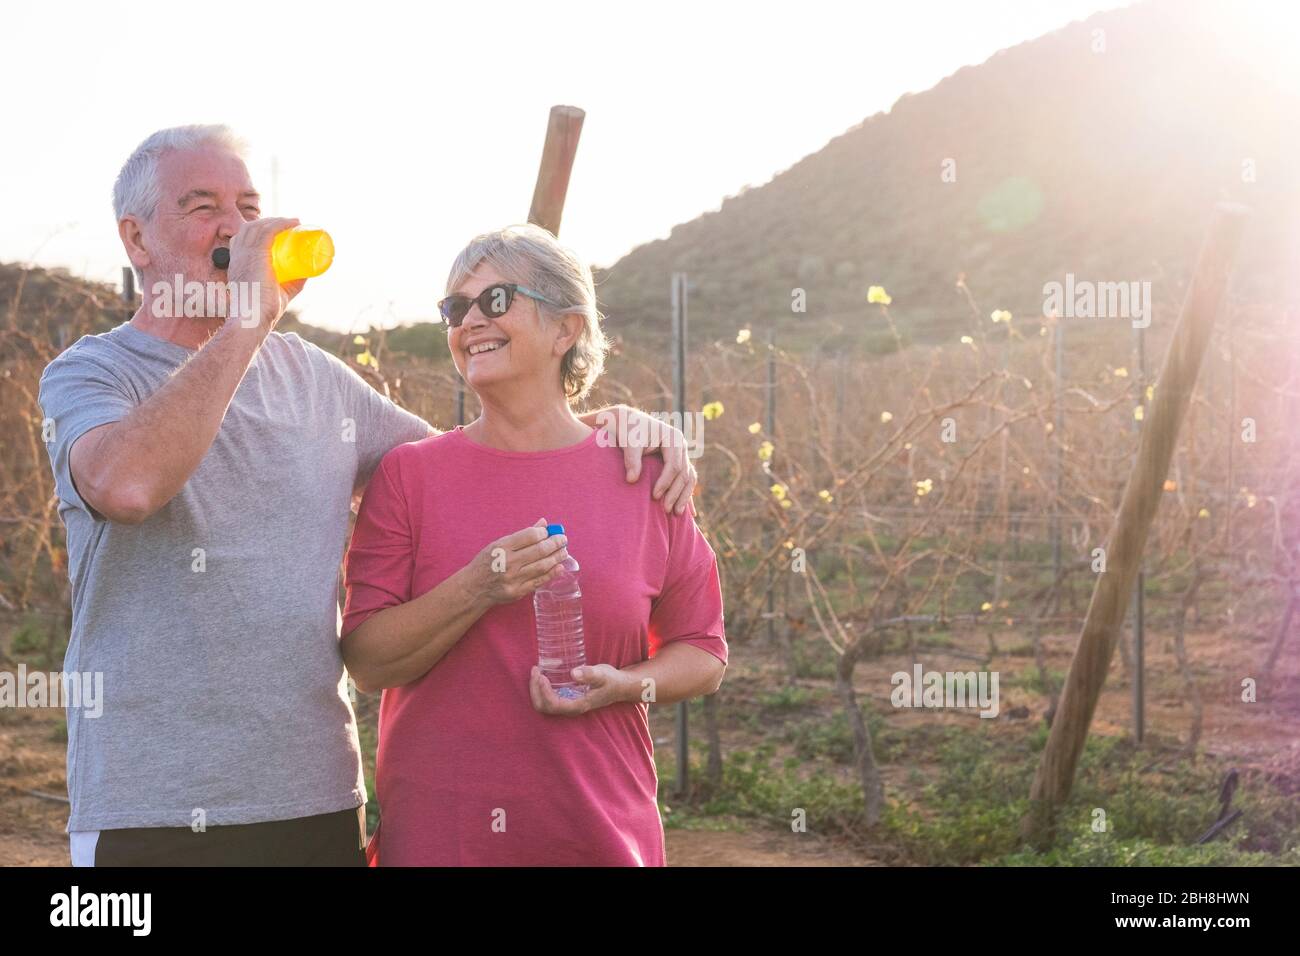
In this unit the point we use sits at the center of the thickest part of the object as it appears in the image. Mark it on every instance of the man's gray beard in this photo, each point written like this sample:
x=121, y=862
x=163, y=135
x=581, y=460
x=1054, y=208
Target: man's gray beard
x=216, y=290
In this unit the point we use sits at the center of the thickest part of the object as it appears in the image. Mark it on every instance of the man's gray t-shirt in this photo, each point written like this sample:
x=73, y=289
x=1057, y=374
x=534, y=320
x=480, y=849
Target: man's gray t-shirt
x=215, y=622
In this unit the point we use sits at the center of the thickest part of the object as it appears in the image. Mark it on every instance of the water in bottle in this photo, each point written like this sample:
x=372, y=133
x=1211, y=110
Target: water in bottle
x=558, y=608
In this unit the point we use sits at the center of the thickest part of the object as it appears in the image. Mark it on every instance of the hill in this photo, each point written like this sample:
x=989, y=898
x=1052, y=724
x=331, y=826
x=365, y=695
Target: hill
x=1096, y=150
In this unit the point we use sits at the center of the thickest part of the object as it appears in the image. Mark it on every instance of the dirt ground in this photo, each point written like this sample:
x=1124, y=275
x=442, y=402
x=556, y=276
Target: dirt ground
x=32, y=761
x=1263, y=737
x=31, y=827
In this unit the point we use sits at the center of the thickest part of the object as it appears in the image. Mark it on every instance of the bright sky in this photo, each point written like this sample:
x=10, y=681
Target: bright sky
x=406, y=129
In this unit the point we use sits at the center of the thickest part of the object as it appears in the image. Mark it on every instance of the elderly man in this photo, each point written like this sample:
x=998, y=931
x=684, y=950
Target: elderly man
x=204, y=468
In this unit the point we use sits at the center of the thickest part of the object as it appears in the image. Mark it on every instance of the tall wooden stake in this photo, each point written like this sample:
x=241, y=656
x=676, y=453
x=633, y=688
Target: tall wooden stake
x=1055, y=775
x=562, y=132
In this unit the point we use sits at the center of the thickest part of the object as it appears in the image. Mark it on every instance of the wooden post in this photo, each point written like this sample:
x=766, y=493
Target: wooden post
x=769, y=423
x=1058, y=435
x=1234, y=435
x=1139, y=585
x=128, y=291
x=563, y=128
x=1055, y=774
x=1003, y=500
x=562, y=132
x=837, y=436
x=679, y=406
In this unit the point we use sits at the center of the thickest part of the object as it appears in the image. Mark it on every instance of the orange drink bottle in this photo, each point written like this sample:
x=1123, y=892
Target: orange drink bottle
x=301, y=254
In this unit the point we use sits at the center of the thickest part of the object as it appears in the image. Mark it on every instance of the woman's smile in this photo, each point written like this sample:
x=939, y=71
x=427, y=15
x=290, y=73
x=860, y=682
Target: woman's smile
x=483, y=349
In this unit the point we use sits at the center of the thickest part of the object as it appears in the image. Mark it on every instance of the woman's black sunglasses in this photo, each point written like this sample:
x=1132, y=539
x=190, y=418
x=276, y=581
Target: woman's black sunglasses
x=494, y=301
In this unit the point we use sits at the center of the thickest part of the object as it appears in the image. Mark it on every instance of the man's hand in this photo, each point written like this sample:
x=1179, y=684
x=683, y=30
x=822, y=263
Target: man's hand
x=638, y=434
x=250, y=262
x=605, y=685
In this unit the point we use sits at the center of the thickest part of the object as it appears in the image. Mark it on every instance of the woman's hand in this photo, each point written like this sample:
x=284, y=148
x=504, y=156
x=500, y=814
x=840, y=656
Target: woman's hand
x=516, y=565
x=605, y=685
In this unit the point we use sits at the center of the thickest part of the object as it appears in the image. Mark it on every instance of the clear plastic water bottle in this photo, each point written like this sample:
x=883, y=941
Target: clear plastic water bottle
x=558, y=608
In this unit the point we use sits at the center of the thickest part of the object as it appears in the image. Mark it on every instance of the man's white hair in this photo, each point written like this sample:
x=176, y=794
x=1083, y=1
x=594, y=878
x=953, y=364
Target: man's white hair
x=136, y=192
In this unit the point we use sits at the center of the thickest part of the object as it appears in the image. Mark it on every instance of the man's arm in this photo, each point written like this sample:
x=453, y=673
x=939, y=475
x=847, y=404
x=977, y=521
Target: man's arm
x=387, y=425
x=381, y=424
x=129, y=469
x=676, y=483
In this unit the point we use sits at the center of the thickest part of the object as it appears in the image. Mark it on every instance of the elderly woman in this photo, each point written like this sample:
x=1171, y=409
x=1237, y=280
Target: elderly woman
x=480, y=761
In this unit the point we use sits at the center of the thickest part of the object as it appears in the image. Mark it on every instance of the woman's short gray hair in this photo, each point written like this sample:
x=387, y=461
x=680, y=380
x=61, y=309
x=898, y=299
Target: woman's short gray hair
x=136, y=192
x=531, y=256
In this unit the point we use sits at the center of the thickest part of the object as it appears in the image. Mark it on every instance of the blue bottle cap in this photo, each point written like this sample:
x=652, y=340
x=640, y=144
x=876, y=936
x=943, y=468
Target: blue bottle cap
x=553, y=529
